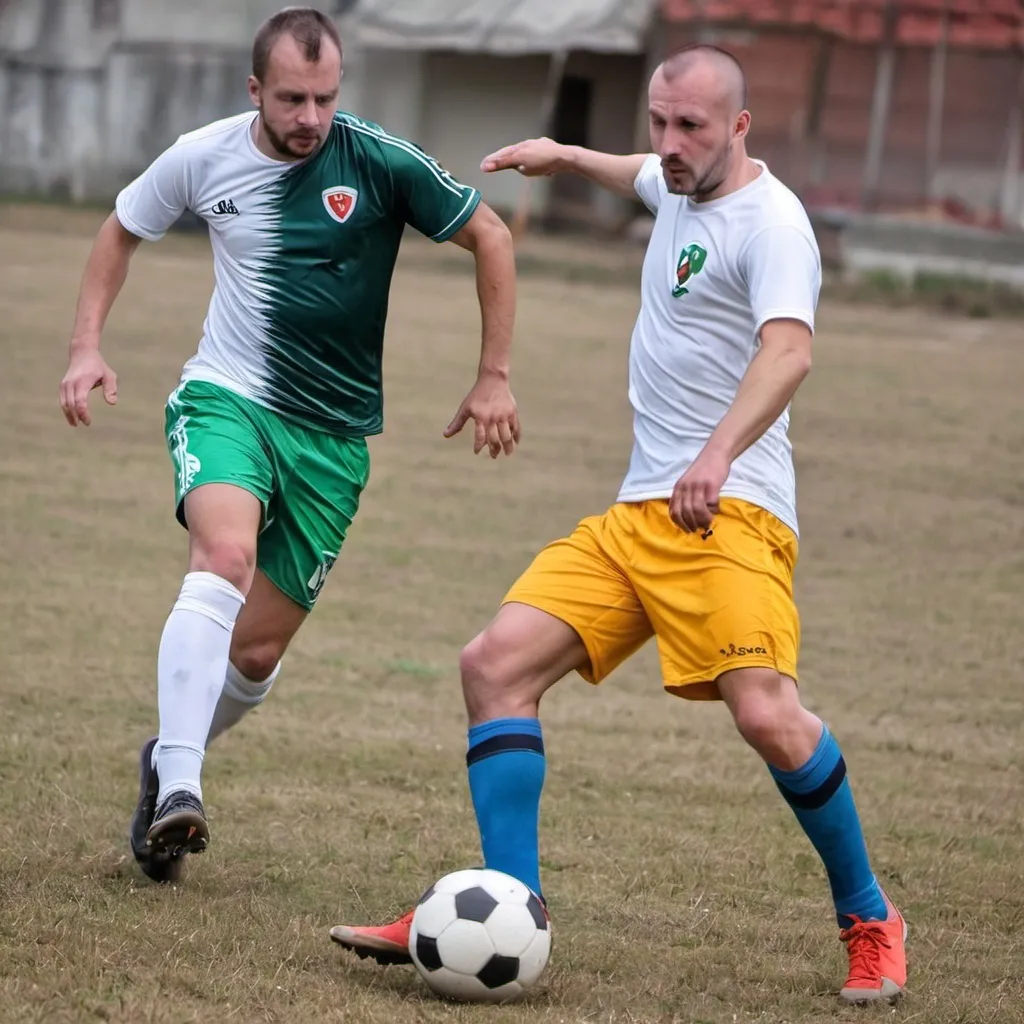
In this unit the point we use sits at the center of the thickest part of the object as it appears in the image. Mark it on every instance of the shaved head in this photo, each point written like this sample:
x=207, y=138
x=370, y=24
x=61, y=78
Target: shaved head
x=699, y=122
x=721, y=73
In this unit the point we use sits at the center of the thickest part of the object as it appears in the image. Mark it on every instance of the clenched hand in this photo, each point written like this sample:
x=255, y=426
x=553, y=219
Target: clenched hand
x=86, y=371
x=694, y=501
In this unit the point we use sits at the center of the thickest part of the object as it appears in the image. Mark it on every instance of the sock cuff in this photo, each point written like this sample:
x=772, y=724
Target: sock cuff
x=164, y=745
x=817, y=767
x=501, y=735
x=245, y=690
x=212, y=596
x=812, y=785
x=501, y=726
x=866, y=905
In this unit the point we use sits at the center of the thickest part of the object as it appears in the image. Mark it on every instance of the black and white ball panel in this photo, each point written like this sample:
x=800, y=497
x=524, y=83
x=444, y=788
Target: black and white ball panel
x=481, y=935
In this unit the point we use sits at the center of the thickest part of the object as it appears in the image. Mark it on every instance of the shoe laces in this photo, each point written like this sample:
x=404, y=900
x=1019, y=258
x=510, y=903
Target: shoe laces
x=864, y=944
x=181, y=800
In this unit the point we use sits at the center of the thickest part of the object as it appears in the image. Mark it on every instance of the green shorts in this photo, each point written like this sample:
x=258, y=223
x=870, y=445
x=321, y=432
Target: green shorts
x=308, y=481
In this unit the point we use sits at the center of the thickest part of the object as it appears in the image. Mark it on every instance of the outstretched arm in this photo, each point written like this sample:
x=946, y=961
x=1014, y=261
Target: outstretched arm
x=104, y=276
x=545, y=156
x=490, y=404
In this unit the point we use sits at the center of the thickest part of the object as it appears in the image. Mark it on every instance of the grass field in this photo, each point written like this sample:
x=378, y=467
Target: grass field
x=680, y=887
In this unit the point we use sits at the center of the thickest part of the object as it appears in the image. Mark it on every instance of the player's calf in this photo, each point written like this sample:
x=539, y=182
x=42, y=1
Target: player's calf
x=810, y=772
x=240, y=695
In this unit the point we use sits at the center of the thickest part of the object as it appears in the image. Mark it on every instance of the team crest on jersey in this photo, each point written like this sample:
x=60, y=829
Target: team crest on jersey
x=691, y=261
x=340, y=202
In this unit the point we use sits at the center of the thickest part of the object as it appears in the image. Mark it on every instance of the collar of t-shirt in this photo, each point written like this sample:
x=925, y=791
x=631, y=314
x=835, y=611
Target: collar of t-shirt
x=741, y=193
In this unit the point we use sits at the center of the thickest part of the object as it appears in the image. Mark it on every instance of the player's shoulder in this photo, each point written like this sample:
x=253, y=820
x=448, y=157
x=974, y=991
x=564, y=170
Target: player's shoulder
x=373, y=139
x=779, y=206
x=217, y=132
x=359, y=128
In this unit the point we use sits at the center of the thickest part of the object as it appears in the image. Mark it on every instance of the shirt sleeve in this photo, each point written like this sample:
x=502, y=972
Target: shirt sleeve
x=650, y=183
x=157, y=197
x=426, y=195
x=783, y=272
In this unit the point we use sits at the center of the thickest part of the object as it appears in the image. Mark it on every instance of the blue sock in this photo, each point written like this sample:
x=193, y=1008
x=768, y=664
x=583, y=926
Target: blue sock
x=506, y=775
x=822, y=800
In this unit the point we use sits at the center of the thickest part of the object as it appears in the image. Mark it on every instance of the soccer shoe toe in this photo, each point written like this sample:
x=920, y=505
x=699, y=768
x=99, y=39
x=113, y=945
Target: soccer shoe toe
x=888, y=990
x=387, y=944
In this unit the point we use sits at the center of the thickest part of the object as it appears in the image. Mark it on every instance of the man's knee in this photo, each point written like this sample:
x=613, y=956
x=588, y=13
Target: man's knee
x=759, y=719
x=257, y=660
x=761, y=701
x=508, y=667
x=223, y=523
x=231, y=558
x=766, y=708
x=487, y=672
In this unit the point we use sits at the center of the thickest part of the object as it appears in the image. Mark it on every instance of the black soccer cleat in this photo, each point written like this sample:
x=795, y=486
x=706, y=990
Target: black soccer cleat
x=159, y=868
x=179, y=827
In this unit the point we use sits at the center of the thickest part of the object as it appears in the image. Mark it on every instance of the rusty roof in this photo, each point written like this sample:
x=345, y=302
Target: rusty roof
x=985, y=24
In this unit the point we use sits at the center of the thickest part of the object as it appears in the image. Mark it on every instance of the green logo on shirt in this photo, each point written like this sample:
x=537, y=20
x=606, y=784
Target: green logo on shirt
x=691, y=261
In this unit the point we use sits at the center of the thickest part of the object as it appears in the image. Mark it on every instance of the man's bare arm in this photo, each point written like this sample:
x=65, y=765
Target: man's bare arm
x=545, y=156
x=490, y=403
x=105, y=273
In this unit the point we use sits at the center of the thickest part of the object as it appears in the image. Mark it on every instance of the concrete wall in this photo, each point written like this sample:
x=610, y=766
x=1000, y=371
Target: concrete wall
x=85, y=106
x=975, y=127
x=479, y=104
x=872, y=243
x=460, y=107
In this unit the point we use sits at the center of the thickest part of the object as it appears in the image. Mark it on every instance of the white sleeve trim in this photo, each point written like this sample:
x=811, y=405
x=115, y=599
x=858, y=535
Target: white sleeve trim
x=639, y=177
x=446, y=232
x=803, y=315
x=131, y=226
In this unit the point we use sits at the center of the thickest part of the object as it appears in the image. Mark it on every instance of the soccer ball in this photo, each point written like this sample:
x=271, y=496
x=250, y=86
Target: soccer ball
x=480, y=936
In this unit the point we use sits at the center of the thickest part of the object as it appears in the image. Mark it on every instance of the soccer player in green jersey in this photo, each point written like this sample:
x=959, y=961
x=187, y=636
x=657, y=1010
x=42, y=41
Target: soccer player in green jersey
x=306, y=206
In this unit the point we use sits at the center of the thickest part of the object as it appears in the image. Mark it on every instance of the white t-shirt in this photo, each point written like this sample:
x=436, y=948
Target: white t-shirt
x=714, y=274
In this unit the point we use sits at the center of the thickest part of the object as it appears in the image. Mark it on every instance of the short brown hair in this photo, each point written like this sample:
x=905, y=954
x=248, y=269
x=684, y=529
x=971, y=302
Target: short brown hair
x=306, y=25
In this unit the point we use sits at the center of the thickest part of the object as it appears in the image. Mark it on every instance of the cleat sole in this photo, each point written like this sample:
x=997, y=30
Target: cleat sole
x=177, y=834
x=384, y=955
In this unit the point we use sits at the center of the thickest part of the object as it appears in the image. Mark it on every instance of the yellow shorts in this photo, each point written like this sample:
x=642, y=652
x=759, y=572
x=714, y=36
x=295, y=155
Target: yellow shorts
x=715, y=605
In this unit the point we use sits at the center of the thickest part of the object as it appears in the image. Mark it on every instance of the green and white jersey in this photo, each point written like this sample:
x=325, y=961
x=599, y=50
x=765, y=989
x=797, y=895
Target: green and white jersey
x=303, y=258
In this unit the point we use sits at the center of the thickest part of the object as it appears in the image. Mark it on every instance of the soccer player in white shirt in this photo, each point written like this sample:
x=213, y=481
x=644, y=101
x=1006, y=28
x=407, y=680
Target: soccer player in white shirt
x=699, y=548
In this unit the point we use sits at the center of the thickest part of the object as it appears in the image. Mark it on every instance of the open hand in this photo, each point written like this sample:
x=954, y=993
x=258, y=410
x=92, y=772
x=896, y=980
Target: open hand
x=492, y=408
x=531, y=158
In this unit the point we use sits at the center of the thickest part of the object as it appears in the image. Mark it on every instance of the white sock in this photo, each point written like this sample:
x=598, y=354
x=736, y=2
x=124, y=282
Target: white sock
x=239, y=696
x=191, y=667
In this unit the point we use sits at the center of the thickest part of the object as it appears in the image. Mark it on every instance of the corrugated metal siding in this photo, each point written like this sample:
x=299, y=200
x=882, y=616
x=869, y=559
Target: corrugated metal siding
x=980, y=90
x=997, y=24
